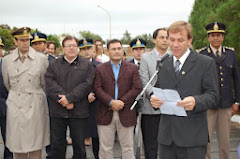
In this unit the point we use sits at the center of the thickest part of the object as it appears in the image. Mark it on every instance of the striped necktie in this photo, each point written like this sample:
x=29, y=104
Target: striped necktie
x=176, y=67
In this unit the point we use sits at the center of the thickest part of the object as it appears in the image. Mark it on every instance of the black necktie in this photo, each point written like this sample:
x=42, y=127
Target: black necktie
x=218, y=56
x=138, y=65
x=176, y=67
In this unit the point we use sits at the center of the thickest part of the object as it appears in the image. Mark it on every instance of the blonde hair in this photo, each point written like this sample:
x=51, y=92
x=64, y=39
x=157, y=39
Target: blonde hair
x=180, y=26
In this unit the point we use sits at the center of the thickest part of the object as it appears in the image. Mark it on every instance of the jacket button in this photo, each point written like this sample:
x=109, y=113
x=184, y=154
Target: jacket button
x=221, y=79
x=220, y=67
x=19, y=94
x=221, y=73
x=221, y=85
x=30, y=106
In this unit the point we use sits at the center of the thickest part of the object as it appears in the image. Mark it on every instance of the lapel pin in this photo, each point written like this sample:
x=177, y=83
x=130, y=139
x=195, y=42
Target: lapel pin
x=183, y=72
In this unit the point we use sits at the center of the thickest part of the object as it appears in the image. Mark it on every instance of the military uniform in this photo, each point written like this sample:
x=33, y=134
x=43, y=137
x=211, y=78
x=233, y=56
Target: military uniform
x=27, y=109
x=3, y=107
x=229, y=80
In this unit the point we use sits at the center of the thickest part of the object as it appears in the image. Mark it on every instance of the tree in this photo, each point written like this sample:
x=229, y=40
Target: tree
x=225, y=11
x=6, y=34
x=126, y=39
x=55, y=39
x=88, y=34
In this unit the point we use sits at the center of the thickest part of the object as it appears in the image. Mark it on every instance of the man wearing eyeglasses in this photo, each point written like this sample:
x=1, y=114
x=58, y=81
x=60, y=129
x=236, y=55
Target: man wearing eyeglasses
x=116, y=85
x=69, y=81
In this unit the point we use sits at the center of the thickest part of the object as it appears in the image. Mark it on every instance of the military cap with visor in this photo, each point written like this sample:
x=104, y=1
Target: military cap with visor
x=2, y=40
x=215, y=27
x=22, y=33
x=37, y=36
x=138, y=43
x=85, y=43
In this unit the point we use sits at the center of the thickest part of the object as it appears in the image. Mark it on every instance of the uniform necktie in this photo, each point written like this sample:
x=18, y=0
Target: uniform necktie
x=218, y=56
x=176, y=67
x=23, y=58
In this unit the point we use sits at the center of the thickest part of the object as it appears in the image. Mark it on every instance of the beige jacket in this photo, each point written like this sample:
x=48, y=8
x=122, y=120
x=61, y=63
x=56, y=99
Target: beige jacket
x=27, y=110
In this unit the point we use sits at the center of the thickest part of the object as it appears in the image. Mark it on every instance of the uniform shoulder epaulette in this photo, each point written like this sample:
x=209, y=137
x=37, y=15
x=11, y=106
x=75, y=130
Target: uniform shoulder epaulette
x=199, y=50
x=229, y=48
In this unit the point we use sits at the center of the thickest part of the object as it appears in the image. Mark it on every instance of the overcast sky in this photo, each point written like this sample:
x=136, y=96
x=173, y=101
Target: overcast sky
x=72, y=16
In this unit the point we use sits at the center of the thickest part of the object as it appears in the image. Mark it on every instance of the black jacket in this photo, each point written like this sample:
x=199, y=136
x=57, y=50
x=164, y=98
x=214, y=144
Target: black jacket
x=73, y=80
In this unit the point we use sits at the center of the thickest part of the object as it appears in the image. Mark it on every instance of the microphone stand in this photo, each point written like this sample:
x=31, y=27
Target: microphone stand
x=159, y=65
x=138, y=128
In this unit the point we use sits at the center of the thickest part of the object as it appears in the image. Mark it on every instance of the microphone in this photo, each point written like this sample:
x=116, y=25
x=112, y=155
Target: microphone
x=159, y=62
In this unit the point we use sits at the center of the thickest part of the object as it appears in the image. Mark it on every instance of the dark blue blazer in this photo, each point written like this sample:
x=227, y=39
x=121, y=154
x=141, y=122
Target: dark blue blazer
x=3, y=94
x=228, y=76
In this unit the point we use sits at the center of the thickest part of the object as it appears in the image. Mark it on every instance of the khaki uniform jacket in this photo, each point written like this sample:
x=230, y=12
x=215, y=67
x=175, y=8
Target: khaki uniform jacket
x=27, y=127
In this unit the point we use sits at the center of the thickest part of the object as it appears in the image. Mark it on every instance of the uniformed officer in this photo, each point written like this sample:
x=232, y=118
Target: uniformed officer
x=3, y=107
x=138, y=48
x=38, y=43
x=27, y=123
x=228, y=72
x=86, y=51
x=1, y=46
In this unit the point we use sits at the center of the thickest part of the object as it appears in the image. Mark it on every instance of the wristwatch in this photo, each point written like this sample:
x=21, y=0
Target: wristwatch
x=237, y=103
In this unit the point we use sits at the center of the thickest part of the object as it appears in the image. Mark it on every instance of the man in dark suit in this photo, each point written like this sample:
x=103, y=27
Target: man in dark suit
x=194, y=76
x=229, y=80
x=3, y=107
x=138, y=48
x=86, y=51
x=116, y=85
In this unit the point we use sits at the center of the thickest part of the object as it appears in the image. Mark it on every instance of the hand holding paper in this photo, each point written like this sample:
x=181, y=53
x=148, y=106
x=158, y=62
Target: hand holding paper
x=170, y=101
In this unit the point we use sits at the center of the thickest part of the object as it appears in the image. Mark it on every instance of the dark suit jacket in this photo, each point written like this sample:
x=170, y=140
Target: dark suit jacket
x=228, y=75
x=197, y=78
x=129, y=86
x=3, y=94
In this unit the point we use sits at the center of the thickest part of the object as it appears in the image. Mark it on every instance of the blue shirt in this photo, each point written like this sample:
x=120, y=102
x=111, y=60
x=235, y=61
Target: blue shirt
x=115, y=72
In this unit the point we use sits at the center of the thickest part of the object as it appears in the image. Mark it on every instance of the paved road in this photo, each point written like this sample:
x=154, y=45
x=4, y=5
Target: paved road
x=235, y=140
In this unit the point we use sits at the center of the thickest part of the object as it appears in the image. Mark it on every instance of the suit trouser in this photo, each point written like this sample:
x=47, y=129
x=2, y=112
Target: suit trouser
x=7, y=153
x=106, y=139
x=175, y=152
x=149, y=125
x=219, y=120
x=30, y=155
x=77, y=127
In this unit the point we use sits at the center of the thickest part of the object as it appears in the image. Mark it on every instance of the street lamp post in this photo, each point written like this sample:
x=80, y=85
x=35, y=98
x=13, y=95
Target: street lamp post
x=109, y=16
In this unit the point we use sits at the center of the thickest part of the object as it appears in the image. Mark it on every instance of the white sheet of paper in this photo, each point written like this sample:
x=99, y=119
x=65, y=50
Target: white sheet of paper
x=170, y=98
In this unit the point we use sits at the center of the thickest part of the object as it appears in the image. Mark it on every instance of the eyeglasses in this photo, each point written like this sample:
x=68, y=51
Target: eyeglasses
x=115, y=49
x=68, y=46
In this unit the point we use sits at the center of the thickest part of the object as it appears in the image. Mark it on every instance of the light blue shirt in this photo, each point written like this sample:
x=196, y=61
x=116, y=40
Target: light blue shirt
x=115, y=72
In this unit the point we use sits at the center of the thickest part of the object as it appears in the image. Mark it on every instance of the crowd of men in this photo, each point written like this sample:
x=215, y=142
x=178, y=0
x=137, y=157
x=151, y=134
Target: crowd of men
x=92, y=93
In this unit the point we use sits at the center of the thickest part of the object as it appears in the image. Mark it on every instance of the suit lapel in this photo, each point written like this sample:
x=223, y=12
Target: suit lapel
x=108, y=68
x=187, y=66
x=170, y=68
x=122, y=70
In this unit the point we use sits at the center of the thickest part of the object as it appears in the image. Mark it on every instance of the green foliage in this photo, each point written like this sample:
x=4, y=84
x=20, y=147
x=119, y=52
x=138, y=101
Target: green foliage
x=126, y=39
x=5, y=32
x=55, y=39
x=225, y=11
x=88, y=34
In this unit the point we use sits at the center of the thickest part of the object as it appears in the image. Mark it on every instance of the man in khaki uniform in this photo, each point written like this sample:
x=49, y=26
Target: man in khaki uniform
x=27, y=110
